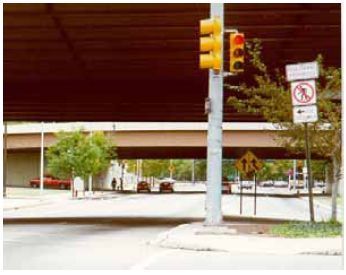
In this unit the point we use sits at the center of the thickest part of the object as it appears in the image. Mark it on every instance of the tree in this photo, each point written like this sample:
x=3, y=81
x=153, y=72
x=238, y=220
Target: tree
x=76, y=154
x=269, y=96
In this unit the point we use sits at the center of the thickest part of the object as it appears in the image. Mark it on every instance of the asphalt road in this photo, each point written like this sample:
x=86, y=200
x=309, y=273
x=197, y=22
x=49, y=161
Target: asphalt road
x=141, y=218
x=66, y=246
x=171, y=205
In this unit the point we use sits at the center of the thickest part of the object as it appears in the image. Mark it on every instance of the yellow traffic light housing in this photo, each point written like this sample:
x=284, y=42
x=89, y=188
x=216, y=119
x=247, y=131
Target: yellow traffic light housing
x=237, y=52
x=211, y=44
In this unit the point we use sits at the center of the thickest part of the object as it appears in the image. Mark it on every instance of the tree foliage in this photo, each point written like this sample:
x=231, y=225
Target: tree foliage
x=269, y=96
x=78, y=154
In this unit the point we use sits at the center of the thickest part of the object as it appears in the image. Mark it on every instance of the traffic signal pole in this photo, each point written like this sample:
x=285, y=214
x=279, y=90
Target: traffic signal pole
x=215, y=117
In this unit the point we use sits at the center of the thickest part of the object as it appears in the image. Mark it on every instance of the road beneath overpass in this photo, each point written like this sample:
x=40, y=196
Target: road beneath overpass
x=124, y=241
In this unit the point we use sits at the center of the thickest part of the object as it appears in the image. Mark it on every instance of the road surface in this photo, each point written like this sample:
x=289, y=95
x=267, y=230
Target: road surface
x=171, y=205
x=125, y=245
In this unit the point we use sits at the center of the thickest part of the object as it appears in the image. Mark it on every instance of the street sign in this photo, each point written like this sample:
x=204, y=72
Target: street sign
x=303, y=92
x=248, y=163
x=171, y=168
x=307, y=70
x=305, y=114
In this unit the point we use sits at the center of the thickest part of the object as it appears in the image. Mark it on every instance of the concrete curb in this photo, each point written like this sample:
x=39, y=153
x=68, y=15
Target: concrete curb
x=185, y=237
x=135, y=220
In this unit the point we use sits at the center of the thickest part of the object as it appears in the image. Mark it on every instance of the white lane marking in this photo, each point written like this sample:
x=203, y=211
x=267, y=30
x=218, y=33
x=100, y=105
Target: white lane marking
x=150, y=260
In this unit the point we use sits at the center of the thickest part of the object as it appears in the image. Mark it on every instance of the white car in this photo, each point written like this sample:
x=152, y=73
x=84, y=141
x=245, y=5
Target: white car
x=280, y=183
x=246, y=184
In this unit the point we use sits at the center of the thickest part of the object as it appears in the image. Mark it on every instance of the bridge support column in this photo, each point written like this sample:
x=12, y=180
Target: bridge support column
x=214, y=151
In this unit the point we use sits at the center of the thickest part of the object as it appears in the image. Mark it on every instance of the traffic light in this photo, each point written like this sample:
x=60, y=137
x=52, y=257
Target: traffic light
x=210, y=44
x=237, y=52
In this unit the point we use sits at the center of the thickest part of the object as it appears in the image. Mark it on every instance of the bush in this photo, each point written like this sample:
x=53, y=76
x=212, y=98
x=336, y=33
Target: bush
x=308, y=229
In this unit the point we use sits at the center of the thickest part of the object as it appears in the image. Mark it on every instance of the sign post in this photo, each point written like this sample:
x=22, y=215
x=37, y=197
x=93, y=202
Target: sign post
x=248, y=165
x=255, y=197
x=303, y=94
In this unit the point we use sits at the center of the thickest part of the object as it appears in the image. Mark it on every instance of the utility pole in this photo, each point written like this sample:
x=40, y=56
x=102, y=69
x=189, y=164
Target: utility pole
x=215, y=117
x=5, y=160
x=90, y=179
x=171, y=169
x=42, y=158
x=294, y=174
x=193, y=172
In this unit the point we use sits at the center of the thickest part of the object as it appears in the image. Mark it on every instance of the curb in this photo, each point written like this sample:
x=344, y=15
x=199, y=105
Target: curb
x=139, y=220
x=187, y=237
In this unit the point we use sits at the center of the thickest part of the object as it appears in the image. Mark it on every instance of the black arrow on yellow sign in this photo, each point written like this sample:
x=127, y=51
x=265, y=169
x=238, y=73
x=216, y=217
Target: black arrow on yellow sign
x=244, y=162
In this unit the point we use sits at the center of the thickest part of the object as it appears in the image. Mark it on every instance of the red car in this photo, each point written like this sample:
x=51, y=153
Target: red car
x=49, y=181
x=226, y=186
x=143, y=186
x=166, y=186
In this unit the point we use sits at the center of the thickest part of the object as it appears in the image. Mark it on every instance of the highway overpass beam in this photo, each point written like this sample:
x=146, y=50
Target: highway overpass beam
x=214, y=150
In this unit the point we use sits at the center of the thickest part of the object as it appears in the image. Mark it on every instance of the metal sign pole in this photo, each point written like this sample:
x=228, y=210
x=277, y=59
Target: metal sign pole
x=42, y=158
x=308, y=160
x=255, y=202
x=214, y=151
x=241, y=195
x=5, y=160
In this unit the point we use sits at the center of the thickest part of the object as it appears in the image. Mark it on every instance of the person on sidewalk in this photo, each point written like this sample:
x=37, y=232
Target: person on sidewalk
x=114, y=183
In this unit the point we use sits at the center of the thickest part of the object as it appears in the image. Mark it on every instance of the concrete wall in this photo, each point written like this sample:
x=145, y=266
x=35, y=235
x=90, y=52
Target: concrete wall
x=22, y=167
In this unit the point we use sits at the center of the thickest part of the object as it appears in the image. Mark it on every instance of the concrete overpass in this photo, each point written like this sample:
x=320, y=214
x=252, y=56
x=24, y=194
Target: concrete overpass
x=160, y=140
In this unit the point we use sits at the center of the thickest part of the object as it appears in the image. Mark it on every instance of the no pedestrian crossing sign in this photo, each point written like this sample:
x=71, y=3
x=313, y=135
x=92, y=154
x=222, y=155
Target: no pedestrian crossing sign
x=303, y=92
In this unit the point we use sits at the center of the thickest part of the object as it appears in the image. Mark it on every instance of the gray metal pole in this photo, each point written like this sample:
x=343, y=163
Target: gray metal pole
x=294, y=174
x=308, y=158
x=193, y=171
x=42, y=158
x=214, y=151
x=5, y=160
x=170, y=169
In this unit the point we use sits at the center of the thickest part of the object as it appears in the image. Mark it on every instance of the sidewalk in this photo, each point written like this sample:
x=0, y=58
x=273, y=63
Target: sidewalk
x=226, y=238
x=19, y=198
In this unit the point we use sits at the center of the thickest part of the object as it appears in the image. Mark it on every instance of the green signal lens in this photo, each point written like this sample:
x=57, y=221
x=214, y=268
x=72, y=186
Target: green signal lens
x=238, y=65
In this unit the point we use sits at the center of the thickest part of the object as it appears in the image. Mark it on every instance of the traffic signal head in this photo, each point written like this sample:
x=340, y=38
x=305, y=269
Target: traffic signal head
x=210, y=44
x=237, y=52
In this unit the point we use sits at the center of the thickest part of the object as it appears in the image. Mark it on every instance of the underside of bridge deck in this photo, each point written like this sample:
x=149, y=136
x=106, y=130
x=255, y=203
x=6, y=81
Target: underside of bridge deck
x=139, y=62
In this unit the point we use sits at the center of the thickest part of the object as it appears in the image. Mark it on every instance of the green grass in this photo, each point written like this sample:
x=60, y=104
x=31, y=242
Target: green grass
x=307, y=229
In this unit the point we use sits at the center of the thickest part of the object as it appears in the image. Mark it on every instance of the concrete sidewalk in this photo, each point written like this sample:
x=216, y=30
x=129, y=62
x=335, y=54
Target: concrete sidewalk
x=21, y=201
x=226, y=238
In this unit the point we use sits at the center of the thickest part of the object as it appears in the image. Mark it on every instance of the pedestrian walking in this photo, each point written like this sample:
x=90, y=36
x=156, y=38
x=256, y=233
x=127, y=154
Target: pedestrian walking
x=114, y=183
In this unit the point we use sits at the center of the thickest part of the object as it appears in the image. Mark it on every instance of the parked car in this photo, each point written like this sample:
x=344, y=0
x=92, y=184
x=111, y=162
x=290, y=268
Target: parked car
x=280, y=183
x=226, y=186
x=49, y=181
x=143, y=186
x=246, y=184
x=320, y=184
x=166, y=186
x=267, y=183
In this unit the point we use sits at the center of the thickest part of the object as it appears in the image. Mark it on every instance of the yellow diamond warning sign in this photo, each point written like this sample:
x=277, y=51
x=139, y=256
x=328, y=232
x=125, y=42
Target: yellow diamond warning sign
x=248, y=163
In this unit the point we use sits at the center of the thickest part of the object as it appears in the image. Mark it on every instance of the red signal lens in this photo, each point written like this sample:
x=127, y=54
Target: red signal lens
x=239, y=39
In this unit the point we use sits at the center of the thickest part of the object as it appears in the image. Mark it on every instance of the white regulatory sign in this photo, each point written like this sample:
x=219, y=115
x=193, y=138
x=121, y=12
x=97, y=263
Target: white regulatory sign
x=303, y=92
x=303, y=114
x=307, y=70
